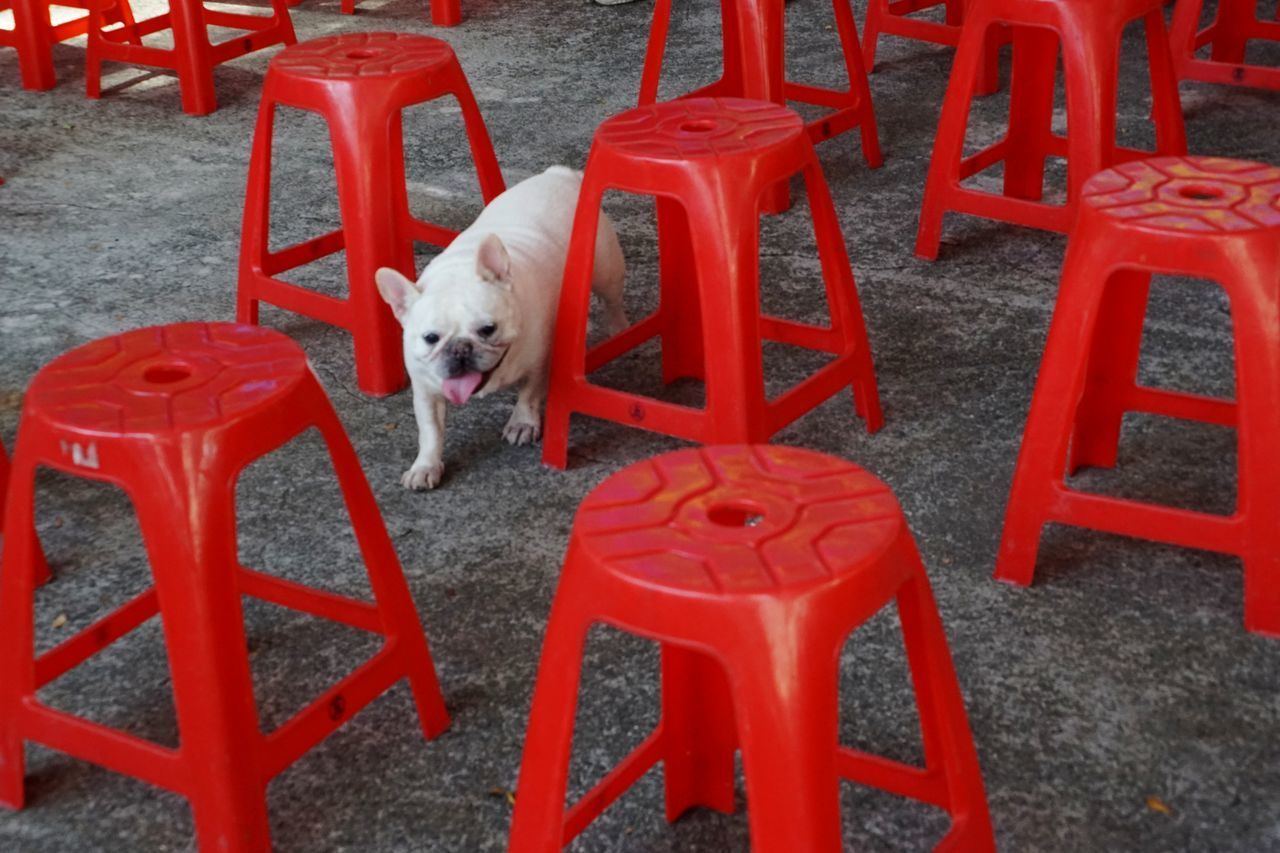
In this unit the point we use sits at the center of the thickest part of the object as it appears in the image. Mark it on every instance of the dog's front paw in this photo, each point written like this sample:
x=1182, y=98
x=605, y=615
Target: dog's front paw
x=423, y=477
x=521, y=432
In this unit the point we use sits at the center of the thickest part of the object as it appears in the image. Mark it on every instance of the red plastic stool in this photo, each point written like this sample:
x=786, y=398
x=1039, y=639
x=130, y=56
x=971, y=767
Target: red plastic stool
x=193, y=55
x=1235, y=24
x=1197, y=216
x=360, y=83
x=709, y=162
x=172, y=415
x=41, y=566
x=894, y=18
x=444, y=13
x=754, y=59
x=1090, y=36
x=751, y=565
x=34, y=34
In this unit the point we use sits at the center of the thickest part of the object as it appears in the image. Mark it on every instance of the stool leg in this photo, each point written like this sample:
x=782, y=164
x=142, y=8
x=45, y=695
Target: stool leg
x=34, y=40
x=1112, y=371
x=944, y=726
x=194, y=57
x=537, y=824
x=282, y=21
x=1042, y=458
x=1035, y=66
x=17, y=652
x=785, y=693
x=871, y=32
x=1258, y=392
x=1091, y=60
x=847, y=28
x=727, y=265
x=192, y=553
x=682, y=350
x=487, y=170
x=1231, y=30
x=948, y=146
x=988, y=82
x=651, y=76
x=368, y=154
x=569, y=346
x=842, y=294
x=698, y=733
x=446, y=13
x=40, y=569
x=1183, y=30
x=1166, y=105
x=390, y=591
x=255, y=229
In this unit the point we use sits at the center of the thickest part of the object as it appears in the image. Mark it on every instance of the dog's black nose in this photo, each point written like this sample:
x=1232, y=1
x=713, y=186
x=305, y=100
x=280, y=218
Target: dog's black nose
x=459, y=358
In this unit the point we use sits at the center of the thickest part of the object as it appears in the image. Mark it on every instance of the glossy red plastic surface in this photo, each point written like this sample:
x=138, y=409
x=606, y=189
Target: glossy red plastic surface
x=172, y=415
x=754, y=58
x=1201, y=217
x=709, y=162
x=359, y=83
x=899, y=18
x=1090, y=38
x=194, y=54
x=34, y=34
x=444, y=13
x=1235, y=23
x=41, y=567
x=750, y=565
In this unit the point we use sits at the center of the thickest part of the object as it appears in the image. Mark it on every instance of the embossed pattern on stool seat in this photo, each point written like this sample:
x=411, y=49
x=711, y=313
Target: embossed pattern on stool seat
x=358, y=55
x=1189, y=194
x=700, y=127
x=739, y=520
x=166, y=378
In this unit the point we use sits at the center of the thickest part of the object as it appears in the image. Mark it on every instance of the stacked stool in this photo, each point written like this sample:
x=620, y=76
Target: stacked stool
x=1235, y=24
x=1090, y=34
x=193, y=55
x=359, y=83
x=1203, y=217
x=754, y=67
x=750, y=565
x=172, y=415
x=709, y=162
x=34, y=35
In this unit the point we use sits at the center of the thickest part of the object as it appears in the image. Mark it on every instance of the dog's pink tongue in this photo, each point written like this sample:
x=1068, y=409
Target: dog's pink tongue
x=460, y=388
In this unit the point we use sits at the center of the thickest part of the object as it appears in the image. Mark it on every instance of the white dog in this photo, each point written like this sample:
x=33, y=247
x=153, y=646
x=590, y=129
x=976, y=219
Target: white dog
x=482, y=315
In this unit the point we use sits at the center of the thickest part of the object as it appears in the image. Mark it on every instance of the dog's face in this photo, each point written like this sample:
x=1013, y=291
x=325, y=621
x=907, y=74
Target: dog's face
x=459, y=322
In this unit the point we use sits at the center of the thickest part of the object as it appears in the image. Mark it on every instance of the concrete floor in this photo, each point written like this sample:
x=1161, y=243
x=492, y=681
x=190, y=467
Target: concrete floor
x=1117, y=705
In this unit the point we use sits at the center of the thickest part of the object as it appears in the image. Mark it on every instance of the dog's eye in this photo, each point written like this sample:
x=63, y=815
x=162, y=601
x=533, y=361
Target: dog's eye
x=431, y=338
x=487, y=331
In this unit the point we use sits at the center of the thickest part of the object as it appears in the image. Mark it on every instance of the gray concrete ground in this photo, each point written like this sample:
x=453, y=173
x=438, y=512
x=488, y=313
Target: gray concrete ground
x=1117, y=705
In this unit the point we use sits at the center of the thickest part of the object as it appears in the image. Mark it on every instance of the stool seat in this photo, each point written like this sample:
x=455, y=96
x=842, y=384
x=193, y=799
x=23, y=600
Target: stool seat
x=750, y=565
x=1181, y=194
x=764, y=520
x=1202, y=217
x=166, y=379
x=172, y=415
x=355, y=56
x=705, y=128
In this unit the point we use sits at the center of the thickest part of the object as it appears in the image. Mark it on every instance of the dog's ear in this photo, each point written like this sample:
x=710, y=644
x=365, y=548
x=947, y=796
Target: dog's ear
x=493, y=264
x=398, y=291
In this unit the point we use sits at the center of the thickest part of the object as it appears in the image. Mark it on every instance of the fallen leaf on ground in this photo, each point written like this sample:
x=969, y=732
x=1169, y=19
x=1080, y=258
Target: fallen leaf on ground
x=60, y=620
x=1158, y=805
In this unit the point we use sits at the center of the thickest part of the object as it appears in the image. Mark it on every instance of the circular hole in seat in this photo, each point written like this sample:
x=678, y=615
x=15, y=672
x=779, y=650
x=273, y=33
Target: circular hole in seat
x=360, y=54
x=164, y=374
x=736, y=514
x=1201, y=192
x=701, y=125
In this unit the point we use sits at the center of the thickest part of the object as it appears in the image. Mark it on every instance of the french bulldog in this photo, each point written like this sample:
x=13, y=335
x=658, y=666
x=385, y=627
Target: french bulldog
x=481, y=316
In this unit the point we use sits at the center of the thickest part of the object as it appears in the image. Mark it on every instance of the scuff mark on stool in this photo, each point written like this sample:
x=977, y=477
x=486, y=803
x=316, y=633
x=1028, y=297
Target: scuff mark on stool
x=337, y=706
x=636, y=412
